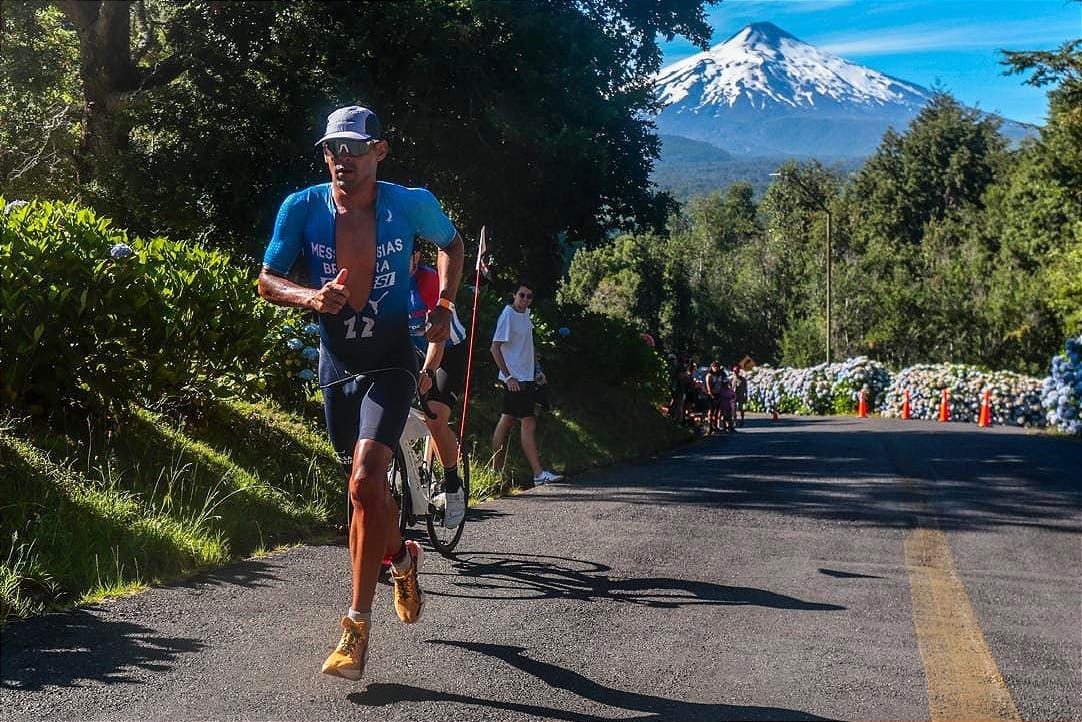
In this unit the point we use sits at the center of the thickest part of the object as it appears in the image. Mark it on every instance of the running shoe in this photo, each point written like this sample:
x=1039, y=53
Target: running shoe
x=408, y=598
x=545, y=477
x=348, y=658
x=453, y=506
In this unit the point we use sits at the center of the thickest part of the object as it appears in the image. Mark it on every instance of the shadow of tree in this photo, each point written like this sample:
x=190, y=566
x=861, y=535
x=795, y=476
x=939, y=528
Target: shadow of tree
x=651, y=707
x=64, y=650
x=857, y=471
x=250, y=573
x=489, y=575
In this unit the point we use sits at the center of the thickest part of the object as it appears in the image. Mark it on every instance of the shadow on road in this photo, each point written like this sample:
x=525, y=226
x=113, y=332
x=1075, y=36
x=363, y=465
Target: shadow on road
x=864, y=471
x=656, y=709
x=63, y=650
x=250, y=573
x=492, y=575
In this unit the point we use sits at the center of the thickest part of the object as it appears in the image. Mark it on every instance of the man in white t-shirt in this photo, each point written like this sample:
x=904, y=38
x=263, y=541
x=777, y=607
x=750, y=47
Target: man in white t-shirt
x=512, y=348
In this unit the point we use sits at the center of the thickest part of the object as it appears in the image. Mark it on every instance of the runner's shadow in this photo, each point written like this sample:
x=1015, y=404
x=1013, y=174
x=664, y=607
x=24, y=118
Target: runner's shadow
x=653, y=708
x=65, y=650
x=488, y=575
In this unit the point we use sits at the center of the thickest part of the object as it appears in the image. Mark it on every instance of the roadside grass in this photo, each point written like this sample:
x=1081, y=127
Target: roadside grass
x=101, y=512
x=106, y=512
x=590, y=425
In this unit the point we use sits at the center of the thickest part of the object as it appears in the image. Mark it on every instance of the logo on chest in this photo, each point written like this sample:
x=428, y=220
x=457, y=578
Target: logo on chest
x=388, y=257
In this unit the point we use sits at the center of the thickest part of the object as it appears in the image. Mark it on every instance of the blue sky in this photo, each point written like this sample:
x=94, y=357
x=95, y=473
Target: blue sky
x=950, y=44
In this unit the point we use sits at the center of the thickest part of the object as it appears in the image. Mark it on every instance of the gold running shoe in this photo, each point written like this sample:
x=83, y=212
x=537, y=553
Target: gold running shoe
x=347, y=659
x=408, y=599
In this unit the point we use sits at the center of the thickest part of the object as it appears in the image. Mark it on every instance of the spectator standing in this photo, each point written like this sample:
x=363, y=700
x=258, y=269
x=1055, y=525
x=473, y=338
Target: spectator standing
x=740, y=386
x=728, y=405
x=513, y=350
x=713, y=384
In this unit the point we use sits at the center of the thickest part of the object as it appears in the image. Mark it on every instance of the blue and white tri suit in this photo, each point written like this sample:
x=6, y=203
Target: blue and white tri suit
x=376, y=337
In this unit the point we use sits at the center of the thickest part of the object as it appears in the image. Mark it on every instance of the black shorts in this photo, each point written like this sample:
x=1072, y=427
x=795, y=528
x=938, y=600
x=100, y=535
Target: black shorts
x=449, y=376
x=519, y=404
x=373, y=407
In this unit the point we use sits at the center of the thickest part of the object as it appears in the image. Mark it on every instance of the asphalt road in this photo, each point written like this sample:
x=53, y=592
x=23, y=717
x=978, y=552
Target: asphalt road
x=812, y=568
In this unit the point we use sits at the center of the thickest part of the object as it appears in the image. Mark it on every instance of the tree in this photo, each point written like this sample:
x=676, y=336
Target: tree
x=794, y=256
x=39, y=89
x=528, y=117
x=905, y=221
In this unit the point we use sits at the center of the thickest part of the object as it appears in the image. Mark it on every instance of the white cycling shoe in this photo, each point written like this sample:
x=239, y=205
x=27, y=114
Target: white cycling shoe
x=546, y=476
x=453, y=506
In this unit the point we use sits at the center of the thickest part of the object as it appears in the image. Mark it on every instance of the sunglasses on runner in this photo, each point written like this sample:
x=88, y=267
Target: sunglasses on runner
x=348, y=146
x=527, y=296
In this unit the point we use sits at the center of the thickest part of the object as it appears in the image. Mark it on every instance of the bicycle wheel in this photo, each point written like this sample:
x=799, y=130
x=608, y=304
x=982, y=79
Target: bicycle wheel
x=445, y=538
x=400, y=490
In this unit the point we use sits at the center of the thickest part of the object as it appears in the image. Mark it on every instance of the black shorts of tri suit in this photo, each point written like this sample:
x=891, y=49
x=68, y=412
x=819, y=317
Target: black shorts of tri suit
x=519, y=404
x=374, y=406
x=449, y=376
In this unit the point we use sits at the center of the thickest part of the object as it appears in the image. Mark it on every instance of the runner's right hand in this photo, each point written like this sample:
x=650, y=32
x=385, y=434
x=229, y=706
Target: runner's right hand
x=332, y=297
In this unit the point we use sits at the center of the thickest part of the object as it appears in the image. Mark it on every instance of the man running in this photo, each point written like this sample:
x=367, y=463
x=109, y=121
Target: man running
x=355, y=235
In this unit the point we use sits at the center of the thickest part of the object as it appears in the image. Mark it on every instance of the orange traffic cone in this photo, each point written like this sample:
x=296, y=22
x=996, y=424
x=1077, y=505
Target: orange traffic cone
x=862, y=407
x=944, y=407
x=905, y=407
x=985, y=418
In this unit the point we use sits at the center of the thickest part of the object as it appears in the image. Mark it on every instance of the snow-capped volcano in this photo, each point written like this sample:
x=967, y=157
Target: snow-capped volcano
x=763, y=65
x=766, y=92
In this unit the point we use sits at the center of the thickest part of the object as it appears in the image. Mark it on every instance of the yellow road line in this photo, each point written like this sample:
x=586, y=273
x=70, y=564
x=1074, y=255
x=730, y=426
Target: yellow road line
x=963, y=680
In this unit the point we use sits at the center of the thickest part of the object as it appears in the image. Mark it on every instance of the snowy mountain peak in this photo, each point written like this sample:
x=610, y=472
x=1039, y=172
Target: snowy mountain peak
x=761, y=33
x=762, y=65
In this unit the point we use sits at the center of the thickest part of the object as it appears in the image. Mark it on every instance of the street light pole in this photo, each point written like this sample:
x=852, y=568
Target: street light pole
x=829, y=274
x=821, y=205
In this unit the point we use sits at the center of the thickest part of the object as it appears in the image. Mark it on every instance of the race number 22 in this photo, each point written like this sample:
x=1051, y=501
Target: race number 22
x=366, y=331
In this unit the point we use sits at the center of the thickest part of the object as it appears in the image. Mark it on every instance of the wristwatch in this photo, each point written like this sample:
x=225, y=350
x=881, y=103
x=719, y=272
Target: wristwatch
x=444, y=303
x=430, y=374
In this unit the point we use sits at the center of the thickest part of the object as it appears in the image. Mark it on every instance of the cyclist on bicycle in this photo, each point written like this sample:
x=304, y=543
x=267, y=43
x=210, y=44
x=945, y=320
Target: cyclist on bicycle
x=355, y=236
x=441, y=377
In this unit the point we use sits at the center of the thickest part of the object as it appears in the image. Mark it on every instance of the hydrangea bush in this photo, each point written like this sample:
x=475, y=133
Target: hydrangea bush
x=92, y=318
x=291, y=361
x=1015, y=399
x=1061, y=392
x=822, y=389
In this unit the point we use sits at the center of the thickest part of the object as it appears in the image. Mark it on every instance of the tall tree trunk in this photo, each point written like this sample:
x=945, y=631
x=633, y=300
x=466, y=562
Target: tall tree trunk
x=108, y=76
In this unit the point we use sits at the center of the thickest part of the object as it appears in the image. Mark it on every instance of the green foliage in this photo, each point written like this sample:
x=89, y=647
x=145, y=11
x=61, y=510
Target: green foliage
x=290, y=362
x=39, y=100
x=495, y=106
x=106, y=508
x=802, y=343
x=611, y=350
x=161, y=319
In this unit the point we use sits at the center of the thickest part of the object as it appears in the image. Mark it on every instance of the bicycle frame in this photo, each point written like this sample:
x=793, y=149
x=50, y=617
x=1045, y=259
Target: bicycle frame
x=419, y=491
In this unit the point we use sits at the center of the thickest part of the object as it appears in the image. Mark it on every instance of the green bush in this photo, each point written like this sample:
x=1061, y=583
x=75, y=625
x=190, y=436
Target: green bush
x=608, y=350
x=95, y=319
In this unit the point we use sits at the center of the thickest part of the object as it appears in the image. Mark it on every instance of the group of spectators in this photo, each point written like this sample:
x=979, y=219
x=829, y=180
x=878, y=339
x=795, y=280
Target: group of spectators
x=710, y=399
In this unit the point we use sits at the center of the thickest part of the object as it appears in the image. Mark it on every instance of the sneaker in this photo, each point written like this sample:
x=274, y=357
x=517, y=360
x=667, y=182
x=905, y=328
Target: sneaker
x=408, y=599
x=348, y=658
x=545, y=477
x=453, y=506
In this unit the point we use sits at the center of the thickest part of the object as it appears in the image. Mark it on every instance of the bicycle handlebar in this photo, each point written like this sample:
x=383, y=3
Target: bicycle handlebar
x=422, y=399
